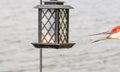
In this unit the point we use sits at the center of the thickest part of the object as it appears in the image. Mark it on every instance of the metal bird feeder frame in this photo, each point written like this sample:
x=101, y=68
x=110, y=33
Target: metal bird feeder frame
x=53, y=25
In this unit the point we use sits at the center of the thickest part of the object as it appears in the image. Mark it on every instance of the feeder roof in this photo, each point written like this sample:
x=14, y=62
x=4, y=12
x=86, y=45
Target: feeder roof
x=54, y=7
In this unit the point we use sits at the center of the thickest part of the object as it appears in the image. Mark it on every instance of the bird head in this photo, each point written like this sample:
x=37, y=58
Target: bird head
x=116, y=29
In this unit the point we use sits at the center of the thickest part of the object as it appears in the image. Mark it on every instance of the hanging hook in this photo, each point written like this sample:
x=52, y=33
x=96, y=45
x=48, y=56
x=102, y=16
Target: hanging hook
x=40, y=2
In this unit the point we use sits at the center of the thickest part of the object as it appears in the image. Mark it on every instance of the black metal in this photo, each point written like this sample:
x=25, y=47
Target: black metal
x=56, y=26
x=39, y=35
x=54, y=2
x=58, y=29
x=39, y=25
x=41, y=60
x=54, y=7
x=67, y=11
x=40, y=2
x=55, y=46
x=53, y=28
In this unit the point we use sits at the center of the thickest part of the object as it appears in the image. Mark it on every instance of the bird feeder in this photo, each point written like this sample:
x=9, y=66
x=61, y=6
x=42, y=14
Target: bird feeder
x=53, y=25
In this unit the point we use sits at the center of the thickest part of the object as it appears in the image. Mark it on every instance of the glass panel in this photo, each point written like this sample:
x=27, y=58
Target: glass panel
x=63, y=26
x=48, y=26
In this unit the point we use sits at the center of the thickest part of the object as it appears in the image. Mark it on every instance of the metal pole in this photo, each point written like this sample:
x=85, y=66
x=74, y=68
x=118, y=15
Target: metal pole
x=40, y=50
x=40, y=59
x=40, y=2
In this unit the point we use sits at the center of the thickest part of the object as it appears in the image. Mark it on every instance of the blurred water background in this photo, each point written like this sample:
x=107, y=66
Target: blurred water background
x=18, y=28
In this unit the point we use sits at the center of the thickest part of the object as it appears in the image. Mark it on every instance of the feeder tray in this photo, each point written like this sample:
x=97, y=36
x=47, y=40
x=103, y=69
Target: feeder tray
x=55, y=46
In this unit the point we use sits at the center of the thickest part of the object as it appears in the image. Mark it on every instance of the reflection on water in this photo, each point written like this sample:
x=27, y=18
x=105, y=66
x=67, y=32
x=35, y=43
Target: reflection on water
x=18, y=28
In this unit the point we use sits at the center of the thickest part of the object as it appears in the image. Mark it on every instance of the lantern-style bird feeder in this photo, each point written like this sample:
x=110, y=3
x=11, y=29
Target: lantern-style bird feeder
x=53, y=25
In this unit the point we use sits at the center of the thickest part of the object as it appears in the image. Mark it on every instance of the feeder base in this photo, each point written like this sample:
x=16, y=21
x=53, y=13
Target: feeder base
x=55, y=46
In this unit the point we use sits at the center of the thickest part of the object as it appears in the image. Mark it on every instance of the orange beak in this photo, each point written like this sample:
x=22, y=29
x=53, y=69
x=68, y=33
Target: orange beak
x=108, y=32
